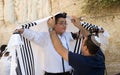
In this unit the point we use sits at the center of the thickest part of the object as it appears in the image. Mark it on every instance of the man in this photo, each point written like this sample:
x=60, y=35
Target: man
x=54, y=64
x=90, y=62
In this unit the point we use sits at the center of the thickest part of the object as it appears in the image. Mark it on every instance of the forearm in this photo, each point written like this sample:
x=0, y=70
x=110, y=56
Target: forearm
x=58, y=45
x=77, y=23
x=92, y=28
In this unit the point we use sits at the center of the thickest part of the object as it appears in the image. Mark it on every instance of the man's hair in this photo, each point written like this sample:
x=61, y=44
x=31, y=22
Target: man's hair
x=92, y=47
x=2, y=48
x=60, y=15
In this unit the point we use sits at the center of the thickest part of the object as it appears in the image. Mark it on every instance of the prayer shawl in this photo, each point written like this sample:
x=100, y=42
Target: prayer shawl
x=5, y=65
x=27, y=57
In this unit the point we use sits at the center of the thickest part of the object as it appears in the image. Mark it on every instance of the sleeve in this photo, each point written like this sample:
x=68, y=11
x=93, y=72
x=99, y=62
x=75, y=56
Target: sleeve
x=101, y=54
x=37, y=37
x=76, y=60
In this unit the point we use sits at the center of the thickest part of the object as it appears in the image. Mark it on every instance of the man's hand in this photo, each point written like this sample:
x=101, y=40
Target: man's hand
x=18, y=31
x=51, y=22
x=75, y=21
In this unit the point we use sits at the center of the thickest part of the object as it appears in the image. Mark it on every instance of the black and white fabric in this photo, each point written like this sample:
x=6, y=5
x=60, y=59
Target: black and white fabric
x=27, y=53
x=98, y=31
x=27, y=59
x=94, y=29
x=78, y=44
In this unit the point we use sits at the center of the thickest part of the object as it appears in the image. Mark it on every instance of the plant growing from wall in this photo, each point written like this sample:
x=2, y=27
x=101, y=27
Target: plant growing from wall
x=98, y=5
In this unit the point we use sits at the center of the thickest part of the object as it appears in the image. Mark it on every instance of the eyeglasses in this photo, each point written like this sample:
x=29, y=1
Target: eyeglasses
x=62, y=23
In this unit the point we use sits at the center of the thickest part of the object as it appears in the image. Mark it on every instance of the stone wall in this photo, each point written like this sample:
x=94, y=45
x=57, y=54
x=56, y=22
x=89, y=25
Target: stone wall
x=16, y=12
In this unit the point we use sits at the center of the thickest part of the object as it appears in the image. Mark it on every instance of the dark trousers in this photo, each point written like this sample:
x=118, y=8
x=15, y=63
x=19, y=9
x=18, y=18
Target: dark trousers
x=66, y=73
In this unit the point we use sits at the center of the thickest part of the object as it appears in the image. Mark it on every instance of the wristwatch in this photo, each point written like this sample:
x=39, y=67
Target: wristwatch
x=51, y=29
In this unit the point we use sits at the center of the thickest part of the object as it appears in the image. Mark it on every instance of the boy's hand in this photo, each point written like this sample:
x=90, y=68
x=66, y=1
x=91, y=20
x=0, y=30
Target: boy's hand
x=51, y=22
x=18, y=31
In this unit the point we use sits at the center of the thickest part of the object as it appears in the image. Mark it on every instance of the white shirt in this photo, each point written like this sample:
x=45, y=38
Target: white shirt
x=53, y=61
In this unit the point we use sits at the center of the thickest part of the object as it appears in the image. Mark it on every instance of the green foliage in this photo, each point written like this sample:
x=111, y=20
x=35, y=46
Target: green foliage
x=104, y=3
x=101, y=4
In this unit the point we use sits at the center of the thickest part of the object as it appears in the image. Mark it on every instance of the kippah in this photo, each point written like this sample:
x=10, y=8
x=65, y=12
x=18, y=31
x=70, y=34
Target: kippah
x=95, y=40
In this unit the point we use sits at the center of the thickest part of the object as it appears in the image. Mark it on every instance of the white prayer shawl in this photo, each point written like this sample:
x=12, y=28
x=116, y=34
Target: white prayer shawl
x=5, y=65
x=27, y=57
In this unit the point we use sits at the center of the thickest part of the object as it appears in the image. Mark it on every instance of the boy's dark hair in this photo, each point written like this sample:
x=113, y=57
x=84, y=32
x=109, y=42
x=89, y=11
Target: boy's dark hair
x=2, y=48
x=93, y=48
x=60, y=15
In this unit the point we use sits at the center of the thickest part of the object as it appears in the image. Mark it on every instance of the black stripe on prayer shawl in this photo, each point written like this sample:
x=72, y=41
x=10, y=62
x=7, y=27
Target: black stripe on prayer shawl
x=77, y=45
x=90, y=27
x=28, y=63
x=27, y=53
x=30, y=55
x=23, y=58
x=18, y=69
x=78, y=50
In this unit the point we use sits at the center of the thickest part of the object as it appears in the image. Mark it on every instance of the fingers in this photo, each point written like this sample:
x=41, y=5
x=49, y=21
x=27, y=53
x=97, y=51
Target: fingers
x=51, y=19
x=74, y=19
x=51, y=22
x=77, y=19
x=16, y=31
x=81, y=18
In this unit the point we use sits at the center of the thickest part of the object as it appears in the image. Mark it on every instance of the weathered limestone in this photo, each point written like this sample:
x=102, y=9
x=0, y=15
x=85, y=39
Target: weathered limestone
x=9, y=16
x=16, y=12
x=1, y=13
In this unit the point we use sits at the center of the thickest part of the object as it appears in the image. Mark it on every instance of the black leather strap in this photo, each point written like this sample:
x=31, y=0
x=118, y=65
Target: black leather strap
x=63, y=65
